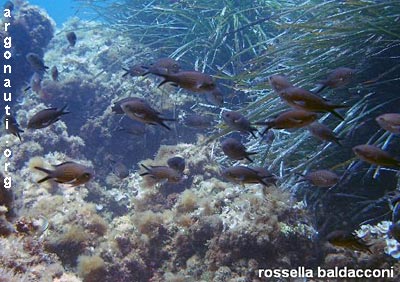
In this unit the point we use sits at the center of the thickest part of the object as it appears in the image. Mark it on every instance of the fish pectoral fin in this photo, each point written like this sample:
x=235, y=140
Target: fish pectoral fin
x=138, y=115
x=299, y=102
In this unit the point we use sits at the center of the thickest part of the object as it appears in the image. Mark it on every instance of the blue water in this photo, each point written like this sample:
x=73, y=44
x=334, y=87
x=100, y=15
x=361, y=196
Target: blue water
x=59, y=10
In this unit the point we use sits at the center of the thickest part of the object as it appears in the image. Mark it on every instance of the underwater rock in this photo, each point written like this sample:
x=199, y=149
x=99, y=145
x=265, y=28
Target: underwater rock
x=31, y=31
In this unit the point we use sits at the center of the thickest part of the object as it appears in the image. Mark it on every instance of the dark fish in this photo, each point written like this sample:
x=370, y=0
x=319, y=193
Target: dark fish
x=215, y=97
x=46, y=117
x=116, y=108
x=120, y=169
x=143, y=112
x=322, y=178
x=340, y=238
x=198, y=121
x=289, y=119
x=162, y=173
x=134, y=129
x=337, y=78
x=135, y=70
x=279, y=82
x=71, y=37
x=242, y=175
x=234, y=149
x=389, y=122
x=9, y=5
x=269, y=137
x=54, y=73
x=323, y=133
x=177, y=163
x=373, y=155
x=36, y=62
x=191, y=80
x=67, y=173
x=394, y=231
x=13, y=126
x=238, y=122
x=163, y=65
x=35, y=83
x=305, y=100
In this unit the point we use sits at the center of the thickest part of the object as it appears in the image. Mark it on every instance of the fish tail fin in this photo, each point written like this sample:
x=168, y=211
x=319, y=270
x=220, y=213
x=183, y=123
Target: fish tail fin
x=45, y=171
x=164, y=125
x=252, y=130
x=163, y=82
x=126, y=72
x=161, y=122
x=44, y=179
x=145, y=167
x=336, y=114
x=338, y=141
x=249, y=159
x=265, y=130
x=62, y=110
x=320, y=87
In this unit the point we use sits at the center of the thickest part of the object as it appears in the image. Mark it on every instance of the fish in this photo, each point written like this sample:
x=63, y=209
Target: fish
x=269, y=137
x=143, y=112
x=389, y=122
x=279, y=82
x=235, y=150
x=394, y=231
x=302, y=99
x=289, y=119
x=215, y=97
x=190, y=80
x=35, y=83
x=13, y=126
x=322, y=178
x=243, y=175
x=67, y=173
x=116, y=108
x=344, y=239
x=339, y=77
x=8, y=5
x=71, y=37
x=135, y=70
x=323, y=133
x=54, y=73
x=46, y=117
x=373, y=155
x=238, y=122
x=162, y=173
x=164, y=65
x=36, y=63
x=197, y=121
x=177, y=163
x=120, y=169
